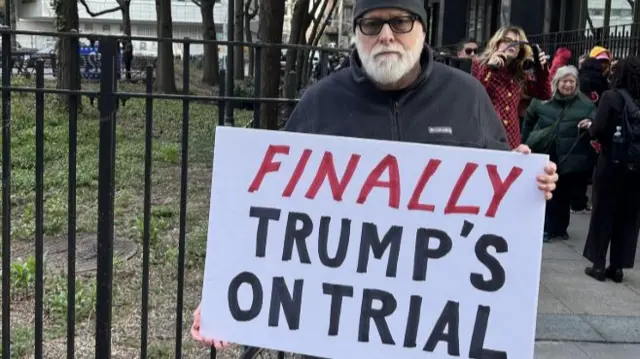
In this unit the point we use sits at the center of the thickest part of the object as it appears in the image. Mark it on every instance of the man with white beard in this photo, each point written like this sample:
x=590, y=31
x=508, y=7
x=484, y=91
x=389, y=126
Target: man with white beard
x=394, y=90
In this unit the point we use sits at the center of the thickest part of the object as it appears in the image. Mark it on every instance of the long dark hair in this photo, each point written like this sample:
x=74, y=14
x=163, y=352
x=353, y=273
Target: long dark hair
x=627, y=76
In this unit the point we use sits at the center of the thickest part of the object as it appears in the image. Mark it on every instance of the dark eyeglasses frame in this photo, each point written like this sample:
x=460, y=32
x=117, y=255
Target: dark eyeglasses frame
x=382, y=22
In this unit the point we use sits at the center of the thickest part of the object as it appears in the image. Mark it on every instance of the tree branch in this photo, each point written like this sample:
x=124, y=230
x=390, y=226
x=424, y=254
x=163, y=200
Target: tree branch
x=198, y=3
x=100, y=13
x=314, y=10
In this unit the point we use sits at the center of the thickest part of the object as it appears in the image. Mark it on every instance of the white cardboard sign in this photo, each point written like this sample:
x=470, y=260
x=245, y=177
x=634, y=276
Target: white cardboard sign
x=350, y=248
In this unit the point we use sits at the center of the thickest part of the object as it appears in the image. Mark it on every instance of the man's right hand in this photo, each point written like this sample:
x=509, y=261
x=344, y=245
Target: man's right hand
x=497, y=59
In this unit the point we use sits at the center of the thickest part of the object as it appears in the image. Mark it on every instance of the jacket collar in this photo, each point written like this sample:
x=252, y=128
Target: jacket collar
x=426, y=64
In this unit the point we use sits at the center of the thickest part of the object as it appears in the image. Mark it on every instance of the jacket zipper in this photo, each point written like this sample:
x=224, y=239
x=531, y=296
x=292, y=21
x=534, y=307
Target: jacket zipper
x=395, y=123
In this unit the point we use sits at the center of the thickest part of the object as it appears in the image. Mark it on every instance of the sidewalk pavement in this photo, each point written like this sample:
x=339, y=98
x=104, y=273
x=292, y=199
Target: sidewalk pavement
x=578, y=317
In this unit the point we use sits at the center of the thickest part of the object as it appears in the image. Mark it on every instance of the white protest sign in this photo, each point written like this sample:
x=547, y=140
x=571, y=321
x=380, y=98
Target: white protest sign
x=350, y=248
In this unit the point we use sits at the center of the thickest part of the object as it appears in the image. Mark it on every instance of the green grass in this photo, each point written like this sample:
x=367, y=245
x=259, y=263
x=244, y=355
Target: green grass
x=129, y=173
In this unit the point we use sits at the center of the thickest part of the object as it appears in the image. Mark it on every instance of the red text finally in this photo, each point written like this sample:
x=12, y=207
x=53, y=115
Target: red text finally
x=386, y=176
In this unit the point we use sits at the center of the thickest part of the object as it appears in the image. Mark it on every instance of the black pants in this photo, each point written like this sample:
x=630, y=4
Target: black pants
x=558, y=212
x=579, y=198
x=615, y=218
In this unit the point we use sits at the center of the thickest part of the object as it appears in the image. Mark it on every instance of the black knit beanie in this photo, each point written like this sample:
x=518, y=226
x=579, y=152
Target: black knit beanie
x=415, y=7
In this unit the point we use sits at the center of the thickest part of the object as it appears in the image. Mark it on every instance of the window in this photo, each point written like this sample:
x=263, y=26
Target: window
x=106, y=28
x=88, y=27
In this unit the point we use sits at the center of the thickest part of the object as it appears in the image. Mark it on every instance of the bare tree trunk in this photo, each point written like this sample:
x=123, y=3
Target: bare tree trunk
x=271, y=21
x=165, y=73
x=300, y=61
x=238, y=35
x=249, y=15
x=66, y=21
x=14, y=22
x=300, y=14
x=126, y=17
x=248, y=37
x=306, y=63
x=316, y=34
x=211, y=61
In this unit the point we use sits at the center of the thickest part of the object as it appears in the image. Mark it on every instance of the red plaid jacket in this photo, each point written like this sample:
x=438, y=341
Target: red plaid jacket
x=505, y=93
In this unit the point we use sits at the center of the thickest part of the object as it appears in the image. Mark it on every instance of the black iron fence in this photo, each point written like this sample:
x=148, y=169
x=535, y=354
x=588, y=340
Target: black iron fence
x=621, y=40
x=84, y=187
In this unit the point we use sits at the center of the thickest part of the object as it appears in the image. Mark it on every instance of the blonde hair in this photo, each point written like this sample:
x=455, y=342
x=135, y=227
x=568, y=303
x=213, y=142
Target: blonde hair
x=494, y=43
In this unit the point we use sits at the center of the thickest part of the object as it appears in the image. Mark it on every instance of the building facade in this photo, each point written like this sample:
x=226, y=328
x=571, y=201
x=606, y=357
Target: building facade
x=38, y=15
x=339, y=31
x=451, y=21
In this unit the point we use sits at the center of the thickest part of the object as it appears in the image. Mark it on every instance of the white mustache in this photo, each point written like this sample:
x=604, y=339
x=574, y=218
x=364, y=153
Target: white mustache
x=380, y=49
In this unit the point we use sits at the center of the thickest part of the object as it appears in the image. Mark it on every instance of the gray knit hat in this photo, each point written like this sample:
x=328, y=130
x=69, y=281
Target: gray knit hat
x=415, y=7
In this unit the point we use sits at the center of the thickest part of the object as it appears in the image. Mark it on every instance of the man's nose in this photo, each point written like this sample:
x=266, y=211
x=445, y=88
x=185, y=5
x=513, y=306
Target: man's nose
x=386, y=34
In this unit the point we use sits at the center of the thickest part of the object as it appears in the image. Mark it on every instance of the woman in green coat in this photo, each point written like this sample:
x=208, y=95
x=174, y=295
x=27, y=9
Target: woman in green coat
x=564, y=115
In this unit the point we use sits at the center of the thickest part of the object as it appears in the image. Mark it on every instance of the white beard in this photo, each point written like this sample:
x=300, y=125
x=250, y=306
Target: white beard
x=390, y=68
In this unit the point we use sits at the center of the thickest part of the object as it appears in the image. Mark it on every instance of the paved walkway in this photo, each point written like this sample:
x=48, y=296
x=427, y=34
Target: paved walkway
x=578, y=317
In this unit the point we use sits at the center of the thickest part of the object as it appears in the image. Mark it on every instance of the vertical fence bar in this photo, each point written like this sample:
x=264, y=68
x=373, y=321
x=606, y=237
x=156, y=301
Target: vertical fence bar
x=222, y=92
x=6, y=191
x=148, y=143
x=323, y=62
x=228, y=109
x=104, y=275
x=39, y=312
x=74, y=99
x=183, y=198
x=257, y=85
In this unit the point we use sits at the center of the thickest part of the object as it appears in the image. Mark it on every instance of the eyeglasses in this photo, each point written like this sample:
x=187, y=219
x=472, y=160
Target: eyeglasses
x=514, y=43
x=471, y=50
x=399, y=25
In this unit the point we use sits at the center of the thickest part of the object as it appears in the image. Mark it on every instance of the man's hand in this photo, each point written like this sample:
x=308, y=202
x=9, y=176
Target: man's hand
x=195, y=333
x=547, y=181
x=524, y=149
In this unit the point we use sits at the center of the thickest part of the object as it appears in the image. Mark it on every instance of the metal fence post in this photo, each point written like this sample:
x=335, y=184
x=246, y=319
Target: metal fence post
x=228, y=109
x=222, y=105
x=6, y=190
x=106, y=184
x=257, y=85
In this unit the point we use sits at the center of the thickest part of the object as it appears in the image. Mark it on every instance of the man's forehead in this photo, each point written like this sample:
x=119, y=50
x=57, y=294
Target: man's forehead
x=470, y=43
x=385, y=13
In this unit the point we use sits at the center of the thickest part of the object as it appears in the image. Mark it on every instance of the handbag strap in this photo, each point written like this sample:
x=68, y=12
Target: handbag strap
x=561, y=115
x=573, y=147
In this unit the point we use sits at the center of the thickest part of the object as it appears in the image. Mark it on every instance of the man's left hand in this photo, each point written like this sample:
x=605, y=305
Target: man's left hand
x=547, y=181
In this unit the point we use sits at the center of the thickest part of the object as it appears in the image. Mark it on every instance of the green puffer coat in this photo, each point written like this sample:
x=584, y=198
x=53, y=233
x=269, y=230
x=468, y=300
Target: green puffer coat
x=541, y=114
